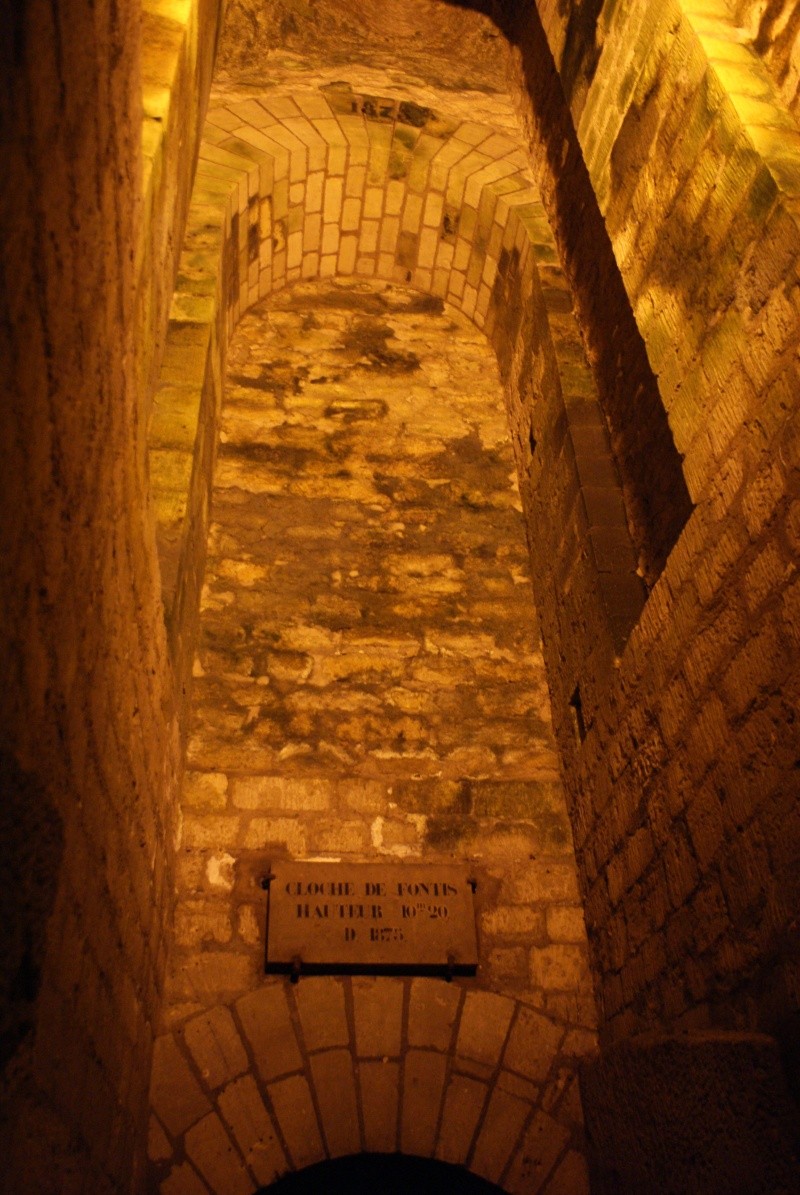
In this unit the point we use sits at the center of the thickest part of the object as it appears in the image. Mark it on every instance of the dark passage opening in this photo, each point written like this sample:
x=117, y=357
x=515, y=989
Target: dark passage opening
x=381, y=1174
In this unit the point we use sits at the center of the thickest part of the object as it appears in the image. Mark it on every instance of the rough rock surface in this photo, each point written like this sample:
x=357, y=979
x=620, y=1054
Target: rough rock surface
x=696, y=1114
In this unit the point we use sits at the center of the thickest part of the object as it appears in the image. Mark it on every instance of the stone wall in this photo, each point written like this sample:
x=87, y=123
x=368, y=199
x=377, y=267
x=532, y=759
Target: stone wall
x=684, y=791
x=679, y=734
x=335, y=182
x=368, y=686
x=670, y=180
x=179, y=42
x=772, y=30
x=90, y=750
x=89, y=759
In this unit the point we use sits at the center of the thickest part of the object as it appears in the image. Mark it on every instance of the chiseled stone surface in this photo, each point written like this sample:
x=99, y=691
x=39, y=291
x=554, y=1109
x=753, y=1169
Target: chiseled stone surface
x=369, y=682
x=369, y=686
x=366, y=607
x=215, y=1046
x=715, y=1103
x=334, y=1084
x=380, y=1093
x=243, y=1110
x=423, y=1086
x=463, y=1104
x=685, y=811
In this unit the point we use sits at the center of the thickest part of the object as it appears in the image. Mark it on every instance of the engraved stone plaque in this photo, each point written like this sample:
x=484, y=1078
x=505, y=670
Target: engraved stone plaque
x=371, y=918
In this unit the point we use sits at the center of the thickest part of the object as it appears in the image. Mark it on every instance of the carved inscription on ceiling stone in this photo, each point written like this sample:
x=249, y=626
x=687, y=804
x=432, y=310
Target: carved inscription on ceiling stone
x=352, y=918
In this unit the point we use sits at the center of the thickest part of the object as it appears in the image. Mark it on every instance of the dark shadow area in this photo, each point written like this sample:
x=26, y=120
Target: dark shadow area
x=381, y=1174
x=31, y=845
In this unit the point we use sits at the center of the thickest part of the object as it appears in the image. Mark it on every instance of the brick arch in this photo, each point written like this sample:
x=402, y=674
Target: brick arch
x=329, y=183
x=287, y=1076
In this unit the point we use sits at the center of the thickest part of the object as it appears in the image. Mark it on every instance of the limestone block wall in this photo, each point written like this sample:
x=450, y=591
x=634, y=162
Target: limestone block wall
x=368, y=686
x=684, y=791
x=695, y=157
x=89, y=750
x=179, y=39
x=93, y=201
x=334, y=183
x=772, y=29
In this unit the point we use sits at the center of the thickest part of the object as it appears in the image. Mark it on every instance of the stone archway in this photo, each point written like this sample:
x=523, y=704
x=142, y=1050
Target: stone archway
x=329, y=182
x=289, y=1076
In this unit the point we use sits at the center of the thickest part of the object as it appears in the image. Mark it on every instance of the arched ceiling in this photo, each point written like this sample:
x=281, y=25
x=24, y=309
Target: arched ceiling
x=443, y=56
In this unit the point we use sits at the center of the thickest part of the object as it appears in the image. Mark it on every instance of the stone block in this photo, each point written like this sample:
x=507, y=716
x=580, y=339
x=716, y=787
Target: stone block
x=423, y=1085
x=511, y=921
x=432, y=1011
x=378, y=1008
x=463, y=1106
x=507, y=968
x=268, y=1028
x=216, y=1047
x=365, y=796
x=176, y=1096
x=543, y=881
x=559, y=968
x=211, y=1150
x=244, y=1112
x=281, y=792
x=334, y=1084
x=500, y=1129
x=565, y=924
x=205, y=790
x=288, y=832
x=199, y=921
x=339, y=837
x=294, y=1111
x=210, y=832
x=320, y=1000
x=532, y=1044
x=212, y=976
x=533, y=1162
x=485, y=1019
x=379, y=1098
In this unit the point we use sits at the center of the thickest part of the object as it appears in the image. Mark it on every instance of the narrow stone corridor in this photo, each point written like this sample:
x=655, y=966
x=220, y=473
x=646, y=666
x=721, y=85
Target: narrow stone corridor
x=305, y=578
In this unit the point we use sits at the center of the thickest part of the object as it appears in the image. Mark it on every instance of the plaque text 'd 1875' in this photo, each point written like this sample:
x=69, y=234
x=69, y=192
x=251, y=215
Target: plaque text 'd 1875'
x=352, y=918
